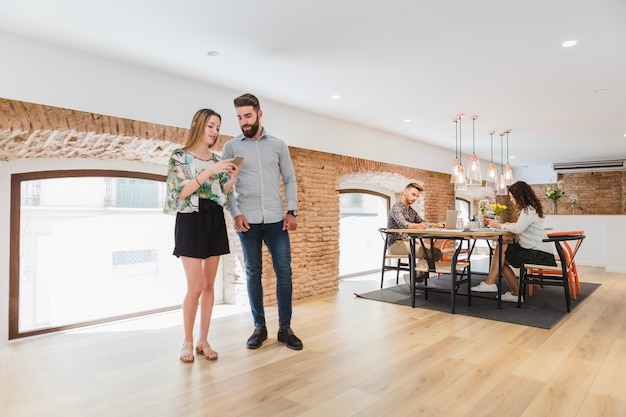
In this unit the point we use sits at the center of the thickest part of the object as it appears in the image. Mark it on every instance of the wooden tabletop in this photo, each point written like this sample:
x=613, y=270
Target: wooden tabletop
x=454, y=233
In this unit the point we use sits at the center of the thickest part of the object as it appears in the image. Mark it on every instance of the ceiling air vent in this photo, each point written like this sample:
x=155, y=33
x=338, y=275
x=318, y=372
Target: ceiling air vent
x=590, y=166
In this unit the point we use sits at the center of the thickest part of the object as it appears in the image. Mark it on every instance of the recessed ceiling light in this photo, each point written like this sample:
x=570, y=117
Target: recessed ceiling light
x=407, y=120
x=567, y=44
x=335, y=97
x=511, y=157
x=212, y=53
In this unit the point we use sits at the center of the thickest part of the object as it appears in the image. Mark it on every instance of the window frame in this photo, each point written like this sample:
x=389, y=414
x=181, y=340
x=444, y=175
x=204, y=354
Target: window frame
x=14, y=245
x=386, y=197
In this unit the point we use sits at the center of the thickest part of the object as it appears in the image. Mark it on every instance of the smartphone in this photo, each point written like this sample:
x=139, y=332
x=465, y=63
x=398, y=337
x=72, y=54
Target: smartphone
x=238, y=160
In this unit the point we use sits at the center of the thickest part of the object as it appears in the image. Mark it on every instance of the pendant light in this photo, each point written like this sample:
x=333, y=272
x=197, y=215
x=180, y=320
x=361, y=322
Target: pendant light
x=474, y=176
x=455, y=166
x=502, y=190
x=508, y=172
x=460, y=183
x=492, y=174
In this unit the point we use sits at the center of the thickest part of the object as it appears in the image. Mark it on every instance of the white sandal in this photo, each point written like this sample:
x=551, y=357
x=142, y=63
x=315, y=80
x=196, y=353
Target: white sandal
x=186, y=352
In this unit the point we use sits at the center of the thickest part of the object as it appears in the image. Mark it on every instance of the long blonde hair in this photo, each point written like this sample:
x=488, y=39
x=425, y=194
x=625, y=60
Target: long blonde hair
x=198, y=124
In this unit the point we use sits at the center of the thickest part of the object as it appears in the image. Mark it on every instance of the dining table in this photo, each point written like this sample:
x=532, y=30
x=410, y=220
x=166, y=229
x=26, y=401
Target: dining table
x=460, y=236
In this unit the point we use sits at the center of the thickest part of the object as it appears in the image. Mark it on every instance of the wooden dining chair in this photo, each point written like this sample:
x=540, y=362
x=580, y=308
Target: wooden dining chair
x=544, y=275
x=391, y=262
x=570, y=252
x=448, y=248
x=455, y=265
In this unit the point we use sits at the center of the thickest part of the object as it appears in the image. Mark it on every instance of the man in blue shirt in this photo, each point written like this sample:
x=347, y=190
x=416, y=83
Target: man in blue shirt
x=259, y=216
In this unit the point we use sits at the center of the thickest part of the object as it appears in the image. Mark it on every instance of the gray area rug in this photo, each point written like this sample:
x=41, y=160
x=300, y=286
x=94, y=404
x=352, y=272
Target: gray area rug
x=544, y=309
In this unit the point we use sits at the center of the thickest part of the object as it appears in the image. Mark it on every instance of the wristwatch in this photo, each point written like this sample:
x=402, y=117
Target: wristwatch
x=294, y=213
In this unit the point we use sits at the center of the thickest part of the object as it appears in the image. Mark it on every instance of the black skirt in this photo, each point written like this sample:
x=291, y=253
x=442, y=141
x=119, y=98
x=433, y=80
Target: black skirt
x=515, y=254
x=203, y=233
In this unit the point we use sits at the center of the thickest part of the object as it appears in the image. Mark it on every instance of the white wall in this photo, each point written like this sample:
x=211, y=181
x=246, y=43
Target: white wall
x=536, y=174
x=604, y=237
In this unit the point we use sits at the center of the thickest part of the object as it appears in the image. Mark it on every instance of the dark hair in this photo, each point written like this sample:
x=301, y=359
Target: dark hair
x=415, y=185
x=525, y=197
x=248, y=100
x=198, y=124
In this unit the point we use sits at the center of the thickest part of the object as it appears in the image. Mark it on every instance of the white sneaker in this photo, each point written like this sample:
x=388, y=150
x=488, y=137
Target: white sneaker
x=484, y=287
x=507, y=296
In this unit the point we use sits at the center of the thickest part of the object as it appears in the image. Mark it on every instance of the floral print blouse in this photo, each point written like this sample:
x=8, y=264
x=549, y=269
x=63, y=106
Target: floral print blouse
x=182, y=168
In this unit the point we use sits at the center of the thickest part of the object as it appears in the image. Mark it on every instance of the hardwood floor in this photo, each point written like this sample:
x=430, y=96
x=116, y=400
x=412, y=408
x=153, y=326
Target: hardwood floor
x=360, y=358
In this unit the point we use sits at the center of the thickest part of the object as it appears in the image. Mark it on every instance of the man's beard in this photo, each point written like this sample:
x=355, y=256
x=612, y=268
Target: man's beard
x=252, y=130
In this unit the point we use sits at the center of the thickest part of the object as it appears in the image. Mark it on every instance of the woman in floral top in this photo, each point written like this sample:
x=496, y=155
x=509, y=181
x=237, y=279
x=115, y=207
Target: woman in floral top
x=199, y=183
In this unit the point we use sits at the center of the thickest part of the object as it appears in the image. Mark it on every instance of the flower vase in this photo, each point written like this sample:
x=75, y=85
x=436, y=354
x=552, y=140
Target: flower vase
x=497, y=218
x=572, y=208
x=555, y=206
x=481, y=221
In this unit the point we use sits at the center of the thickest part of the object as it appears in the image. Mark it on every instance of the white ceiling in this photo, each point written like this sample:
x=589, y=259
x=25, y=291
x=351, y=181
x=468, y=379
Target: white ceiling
x=423, y=60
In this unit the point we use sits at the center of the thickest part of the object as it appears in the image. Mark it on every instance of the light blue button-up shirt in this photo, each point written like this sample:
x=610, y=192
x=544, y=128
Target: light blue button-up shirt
x=257, y=190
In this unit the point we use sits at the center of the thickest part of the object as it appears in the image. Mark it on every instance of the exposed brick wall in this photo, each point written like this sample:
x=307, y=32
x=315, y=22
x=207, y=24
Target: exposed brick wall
x=438, y=192
x=598, y=193
x=29, y=117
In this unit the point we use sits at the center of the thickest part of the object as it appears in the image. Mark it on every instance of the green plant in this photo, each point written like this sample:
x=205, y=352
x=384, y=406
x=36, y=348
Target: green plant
x=555, y=192
x=483, y=206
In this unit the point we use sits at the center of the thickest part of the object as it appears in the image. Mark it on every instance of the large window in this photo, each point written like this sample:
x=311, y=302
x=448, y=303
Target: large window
x=88, y=247
x=360, y=245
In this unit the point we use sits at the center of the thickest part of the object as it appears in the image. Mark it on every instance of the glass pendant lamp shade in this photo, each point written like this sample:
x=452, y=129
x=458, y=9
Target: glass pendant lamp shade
x=474, y=176
x=502, y=189
x=508, y=172
x=492, y=176
x=455, y=166
x=460, y=183
x=501, y=183
x=458, y=172
x=492, y=173
x=455, y=171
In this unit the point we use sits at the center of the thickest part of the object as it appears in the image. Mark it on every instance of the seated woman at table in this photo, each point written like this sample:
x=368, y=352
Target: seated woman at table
x=529, y=247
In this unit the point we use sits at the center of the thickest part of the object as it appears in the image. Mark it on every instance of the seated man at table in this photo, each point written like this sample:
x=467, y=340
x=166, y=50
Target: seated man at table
x=403, y=216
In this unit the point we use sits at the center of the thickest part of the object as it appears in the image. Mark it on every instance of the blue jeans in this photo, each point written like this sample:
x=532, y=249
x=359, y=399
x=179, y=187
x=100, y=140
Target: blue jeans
x=277, y=241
